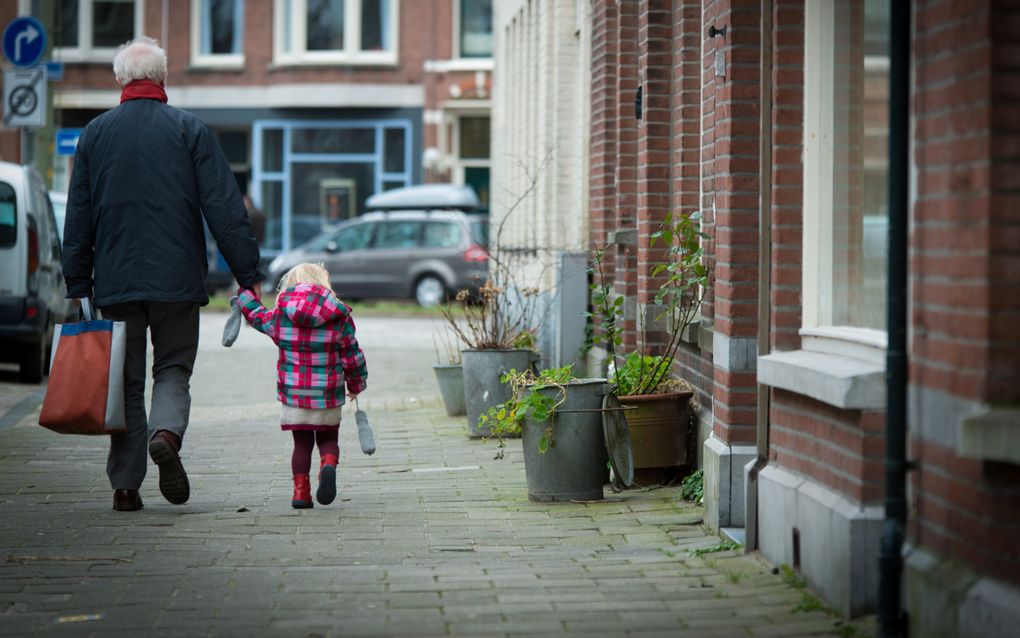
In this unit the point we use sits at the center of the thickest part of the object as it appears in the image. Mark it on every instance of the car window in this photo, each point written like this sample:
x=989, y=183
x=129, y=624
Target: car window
x=353, y=237
x=8, y=216
x=480, y=232
x=397, y=234
x=441, y=235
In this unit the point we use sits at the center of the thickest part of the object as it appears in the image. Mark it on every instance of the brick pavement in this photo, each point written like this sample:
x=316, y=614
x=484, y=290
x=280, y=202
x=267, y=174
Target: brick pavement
x=429, y=537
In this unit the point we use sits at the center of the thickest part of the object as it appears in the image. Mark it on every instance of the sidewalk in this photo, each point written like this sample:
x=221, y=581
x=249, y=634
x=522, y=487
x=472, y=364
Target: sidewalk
x=429, y=537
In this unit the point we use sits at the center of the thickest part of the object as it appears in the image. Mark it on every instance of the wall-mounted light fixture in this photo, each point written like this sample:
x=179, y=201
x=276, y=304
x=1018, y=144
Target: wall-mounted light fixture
x=714, y=31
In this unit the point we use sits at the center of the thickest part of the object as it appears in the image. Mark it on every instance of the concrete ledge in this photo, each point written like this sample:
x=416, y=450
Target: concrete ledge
x=850, y=384
x=947, y=599
x=838, y=540
x=724, y=482
x=993, y=435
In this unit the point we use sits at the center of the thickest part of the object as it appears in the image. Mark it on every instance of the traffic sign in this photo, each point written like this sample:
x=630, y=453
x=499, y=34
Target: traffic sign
x=67, y=140
x=24, y=97
x=24, y=41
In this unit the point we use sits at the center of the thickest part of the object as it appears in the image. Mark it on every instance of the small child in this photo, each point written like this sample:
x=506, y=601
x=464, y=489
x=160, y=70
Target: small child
x=318, y=354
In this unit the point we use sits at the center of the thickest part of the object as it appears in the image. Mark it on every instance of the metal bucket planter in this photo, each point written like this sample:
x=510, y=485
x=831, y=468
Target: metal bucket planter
x=451, y=386
x=574, y=466
x=482, y=388
x=660, y=435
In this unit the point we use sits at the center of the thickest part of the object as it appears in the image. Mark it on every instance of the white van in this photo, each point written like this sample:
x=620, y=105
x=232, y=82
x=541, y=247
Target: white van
x=32, y=288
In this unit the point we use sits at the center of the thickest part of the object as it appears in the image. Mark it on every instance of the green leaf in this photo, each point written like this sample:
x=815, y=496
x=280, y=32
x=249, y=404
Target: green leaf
x=543, y=444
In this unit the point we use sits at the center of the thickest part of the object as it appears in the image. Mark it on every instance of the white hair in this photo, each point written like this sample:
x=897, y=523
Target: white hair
x=140, y=59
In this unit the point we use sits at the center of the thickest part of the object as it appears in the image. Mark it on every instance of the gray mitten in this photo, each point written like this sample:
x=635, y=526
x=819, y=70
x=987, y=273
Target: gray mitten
x=365, y=436
x=233, y=327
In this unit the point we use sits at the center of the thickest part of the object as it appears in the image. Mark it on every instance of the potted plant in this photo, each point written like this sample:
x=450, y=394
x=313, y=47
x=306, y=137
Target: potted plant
x=559, y=420
x=449, y=374
x=659, y=420
x=494, y=329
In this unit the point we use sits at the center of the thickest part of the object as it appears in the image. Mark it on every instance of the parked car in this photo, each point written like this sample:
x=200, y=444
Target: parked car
x=419, y=242
x=32, y=287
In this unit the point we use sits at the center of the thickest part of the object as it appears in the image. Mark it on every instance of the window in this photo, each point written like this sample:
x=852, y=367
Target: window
x=217, y=33
x=845, y=158
x=336, y=31
x=397, y=234
x=441, y=235
x=8, y=216
x=475, y=29
x=90, y=30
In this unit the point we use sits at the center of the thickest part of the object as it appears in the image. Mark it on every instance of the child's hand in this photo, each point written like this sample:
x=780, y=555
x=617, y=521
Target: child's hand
x=352, y=396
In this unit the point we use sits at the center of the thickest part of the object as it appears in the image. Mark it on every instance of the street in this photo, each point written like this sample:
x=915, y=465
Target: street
x=431, y=536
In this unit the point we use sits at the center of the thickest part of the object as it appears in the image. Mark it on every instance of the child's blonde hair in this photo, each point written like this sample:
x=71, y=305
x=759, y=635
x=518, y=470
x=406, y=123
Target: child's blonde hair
x=306, y=273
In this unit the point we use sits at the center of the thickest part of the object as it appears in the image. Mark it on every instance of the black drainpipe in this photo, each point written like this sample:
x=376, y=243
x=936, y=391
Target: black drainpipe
x=890, y=613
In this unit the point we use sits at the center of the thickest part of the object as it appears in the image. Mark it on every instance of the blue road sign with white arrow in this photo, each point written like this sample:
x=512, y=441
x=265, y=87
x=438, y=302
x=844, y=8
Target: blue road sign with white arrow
x=24, y=41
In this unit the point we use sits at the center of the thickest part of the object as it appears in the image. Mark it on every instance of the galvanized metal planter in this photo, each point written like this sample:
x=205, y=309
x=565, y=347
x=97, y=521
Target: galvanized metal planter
x=482, y=388
x=660, y=435
x=574, y=467
x=450, y=378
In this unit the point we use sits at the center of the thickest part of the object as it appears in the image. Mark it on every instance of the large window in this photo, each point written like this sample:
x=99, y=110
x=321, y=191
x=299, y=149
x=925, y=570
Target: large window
x=217, y=32
x=336, y=31
x=90, y=30
x=474, y=29
x=845, y=169
x=308, y=175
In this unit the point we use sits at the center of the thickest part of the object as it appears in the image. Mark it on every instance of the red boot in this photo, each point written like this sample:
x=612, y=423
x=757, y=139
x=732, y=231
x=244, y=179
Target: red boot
x=327, y=480
x=302, y=492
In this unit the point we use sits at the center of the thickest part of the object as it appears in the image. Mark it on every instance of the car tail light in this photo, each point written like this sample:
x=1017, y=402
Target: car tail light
x=33, y=251
x=476, y=253
x=31, y=312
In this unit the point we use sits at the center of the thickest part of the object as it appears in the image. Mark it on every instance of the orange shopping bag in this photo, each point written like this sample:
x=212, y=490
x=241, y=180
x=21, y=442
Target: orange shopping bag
x=85, y=394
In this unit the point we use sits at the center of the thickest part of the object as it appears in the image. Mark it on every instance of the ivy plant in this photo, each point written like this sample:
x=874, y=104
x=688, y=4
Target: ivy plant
x=526, y=401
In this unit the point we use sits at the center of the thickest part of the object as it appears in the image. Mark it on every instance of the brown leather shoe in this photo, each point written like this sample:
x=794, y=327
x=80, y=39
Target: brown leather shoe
x=126, y=500
x=173, y=481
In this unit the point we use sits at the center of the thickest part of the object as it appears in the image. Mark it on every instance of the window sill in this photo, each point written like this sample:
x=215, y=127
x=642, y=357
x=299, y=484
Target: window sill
x=993, y=435
x=844, y=382
x=291, y=65
x=459, y=64
x=211, y=67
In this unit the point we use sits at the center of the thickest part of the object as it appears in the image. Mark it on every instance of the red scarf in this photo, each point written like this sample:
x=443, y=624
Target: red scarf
x=142, y=90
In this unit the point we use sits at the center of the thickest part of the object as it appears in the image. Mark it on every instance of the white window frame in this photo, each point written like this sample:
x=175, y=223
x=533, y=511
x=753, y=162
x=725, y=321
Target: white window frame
x=817, y=329
x=457, y=38
x=350, y=55
x=85, y=52
x=216, y=60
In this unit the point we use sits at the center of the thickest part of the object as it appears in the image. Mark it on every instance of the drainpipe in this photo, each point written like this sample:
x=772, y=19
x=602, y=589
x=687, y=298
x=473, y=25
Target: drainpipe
x=890, y=613
x=764, y=274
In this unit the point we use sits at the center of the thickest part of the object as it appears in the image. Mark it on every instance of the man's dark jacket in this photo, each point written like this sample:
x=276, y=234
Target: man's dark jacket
x=145, y=174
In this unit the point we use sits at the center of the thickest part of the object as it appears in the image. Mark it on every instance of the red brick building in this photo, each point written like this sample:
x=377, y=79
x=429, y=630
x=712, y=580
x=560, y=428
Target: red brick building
x=317, y=104
x=771, y=118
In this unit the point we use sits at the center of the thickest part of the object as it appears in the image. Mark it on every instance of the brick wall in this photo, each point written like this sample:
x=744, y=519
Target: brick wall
x=787, y=173
x=421, y=26
x=730, y=159
x=965, y=269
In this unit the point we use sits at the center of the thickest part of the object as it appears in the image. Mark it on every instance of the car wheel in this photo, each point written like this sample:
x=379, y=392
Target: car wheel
x=430, y=291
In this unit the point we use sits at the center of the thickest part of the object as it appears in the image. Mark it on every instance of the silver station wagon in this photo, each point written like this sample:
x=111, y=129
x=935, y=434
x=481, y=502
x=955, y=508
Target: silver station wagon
x=420, y=242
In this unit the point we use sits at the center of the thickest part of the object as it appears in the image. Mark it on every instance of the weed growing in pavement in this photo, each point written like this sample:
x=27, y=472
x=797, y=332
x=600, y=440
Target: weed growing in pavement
x=733, y=576
x=809, y=603
x=724, y=546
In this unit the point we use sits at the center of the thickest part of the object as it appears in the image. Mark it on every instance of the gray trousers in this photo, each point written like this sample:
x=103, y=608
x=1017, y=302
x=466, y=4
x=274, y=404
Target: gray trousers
x=174, y=328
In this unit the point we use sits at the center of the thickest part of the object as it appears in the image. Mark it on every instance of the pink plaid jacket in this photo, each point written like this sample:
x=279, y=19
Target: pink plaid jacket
x=318, y=350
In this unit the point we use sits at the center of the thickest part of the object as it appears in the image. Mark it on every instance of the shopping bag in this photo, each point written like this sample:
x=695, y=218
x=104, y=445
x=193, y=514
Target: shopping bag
x=85, y=394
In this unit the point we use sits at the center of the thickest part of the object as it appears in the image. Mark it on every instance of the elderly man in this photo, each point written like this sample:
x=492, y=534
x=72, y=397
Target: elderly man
x=145, y=175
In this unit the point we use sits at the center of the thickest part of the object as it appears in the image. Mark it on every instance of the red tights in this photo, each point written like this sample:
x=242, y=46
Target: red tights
x=305, y=440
